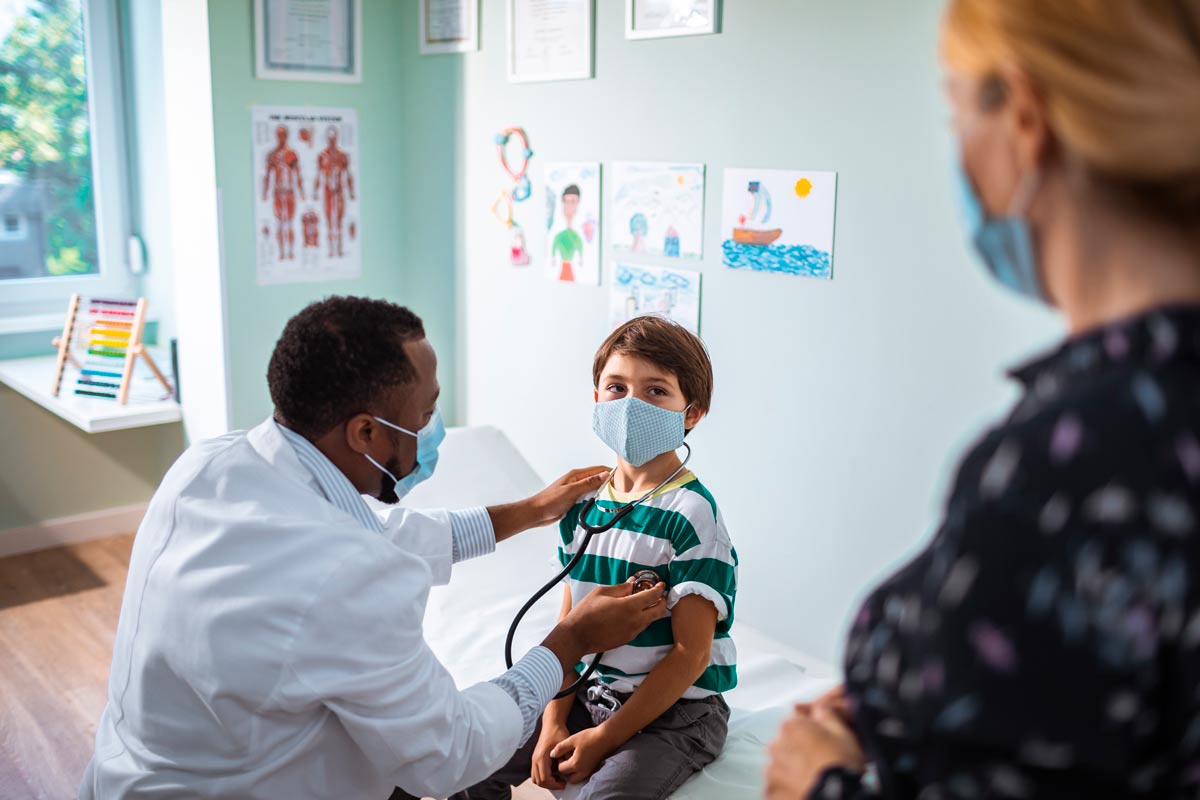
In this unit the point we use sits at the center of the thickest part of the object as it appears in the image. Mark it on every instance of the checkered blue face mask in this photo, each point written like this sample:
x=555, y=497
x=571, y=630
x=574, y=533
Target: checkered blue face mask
x=636, y=430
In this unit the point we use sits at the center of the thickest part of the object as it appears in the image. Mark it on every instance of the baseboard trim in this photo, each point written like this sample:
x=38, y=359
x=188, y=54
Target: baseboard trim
x=72, y=529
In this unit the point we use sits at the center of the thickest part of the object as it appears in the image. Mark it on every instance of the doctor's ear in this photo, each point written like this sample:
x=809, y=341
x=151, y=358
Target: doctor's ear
x=361, y=431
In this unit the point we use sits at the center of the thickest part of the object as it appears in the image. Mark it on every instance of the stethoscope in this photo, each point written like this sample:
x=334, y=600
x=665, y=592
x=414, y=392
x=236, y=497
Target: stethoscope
x=643, y=580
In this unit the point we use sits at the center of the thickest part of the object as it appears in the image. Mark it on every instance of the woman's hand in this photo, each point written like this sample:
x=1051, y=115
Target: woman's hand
x=814, y=739
x=581, y=754
x=834, y=700
x=543, y=765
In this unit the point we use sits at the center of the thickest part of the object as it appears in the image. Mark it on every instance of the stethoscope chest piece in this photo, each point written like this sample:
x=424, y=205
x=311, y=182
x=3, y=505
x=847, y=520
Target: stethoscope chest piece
x=645, y=580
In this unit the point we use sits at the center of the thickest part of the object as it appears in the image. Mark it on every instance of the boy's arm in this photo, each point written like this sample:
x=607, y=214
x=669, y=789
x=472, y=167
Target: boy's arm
x=693, y=622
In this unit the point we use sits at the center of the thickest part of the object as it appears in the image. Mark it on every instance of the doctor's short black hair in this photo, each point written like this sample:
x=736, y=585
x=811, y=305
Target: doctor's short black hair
x=336, y=358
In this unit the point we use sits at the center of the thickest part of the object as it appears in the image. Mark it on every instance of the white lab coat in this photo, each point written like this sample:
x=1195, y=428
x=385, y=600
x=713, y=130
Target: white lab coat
x=270, y=646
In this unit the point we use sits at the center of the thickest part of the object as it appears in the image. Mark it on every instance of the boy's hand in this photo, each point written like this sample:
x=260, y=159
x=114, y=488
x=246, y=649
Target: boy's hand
x=547, y=506
x=543, y=771
x=581, y=754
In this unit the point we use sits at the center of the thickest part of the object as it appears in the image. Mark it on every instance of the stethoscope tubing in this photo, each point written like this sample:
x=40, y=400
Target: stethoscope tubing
x=589, y=532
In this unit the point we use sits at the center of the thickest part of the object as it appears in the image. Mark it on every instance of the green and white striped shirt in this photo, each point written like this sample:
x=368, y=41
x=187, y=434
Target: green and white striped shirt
x=680, y=534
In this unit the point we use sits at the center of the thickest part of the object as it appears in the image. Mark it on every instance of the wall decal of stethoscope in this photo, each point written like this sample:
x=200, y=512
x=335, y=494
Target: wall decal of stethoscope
x=502, y=208
x=643, y=580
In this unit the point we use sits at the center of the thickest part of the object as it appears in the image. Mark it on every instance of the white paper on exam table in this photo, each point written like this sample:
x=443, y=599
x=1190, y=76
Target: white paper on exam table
x=466, y=621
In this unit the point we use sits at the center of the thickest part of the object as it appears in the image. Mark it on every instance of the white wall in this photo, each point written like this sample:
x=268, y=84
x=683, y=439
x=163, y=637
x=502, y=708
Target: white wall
x=194, y=245
x=151, y=220
x=840, y=407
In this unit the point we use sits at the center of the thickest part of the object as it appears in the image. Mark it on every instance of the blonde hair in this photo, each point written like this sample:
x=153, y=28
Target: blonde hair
x=1120, y=80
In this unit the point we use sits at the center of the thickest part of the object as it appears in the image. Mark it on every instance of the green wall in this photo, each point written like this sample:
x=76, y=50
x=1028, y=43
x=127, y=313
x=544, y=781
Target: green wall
x=407, y=110
x=52, y=469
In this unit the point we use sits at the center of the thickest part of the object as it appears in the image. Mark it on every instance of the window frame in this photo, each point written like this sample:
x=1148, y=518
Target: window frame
x=37, y=297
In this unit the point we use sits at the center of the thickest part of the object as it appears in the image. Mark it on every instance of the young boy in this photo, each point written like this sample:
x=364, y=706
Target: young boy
x=652, y=715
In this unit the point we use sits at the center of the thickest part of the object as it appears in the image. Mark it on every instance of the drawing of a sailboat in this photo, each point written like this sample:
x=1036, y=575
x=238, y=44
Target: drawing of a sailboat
x=754, y=230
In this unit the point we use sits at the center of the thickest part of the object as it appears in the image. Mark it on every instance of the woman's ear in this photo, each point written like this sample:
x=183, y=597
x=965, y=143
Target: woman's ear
x=1027, y=121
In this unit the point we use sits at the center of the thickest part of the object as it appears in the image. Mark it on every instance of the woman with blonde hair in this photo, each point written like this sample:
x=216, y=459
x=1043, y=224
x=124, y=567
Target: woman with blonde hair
x=1046, y=643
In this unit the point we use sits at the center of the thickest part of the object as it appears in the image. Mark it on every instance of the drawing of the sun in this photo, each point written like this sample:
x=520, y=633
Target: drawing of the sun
x=803, y=187
x=679, y=180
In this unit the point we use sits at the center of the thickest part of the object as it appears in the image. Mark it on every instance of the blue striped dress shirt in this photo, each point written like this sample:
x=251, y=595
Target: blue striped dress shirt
x=533, y=681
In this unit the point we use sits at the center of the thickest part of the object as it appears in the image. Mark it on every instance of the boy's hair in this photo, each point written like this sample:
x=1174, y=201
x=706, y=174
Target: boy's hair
x=665, y=344
x=572, y=189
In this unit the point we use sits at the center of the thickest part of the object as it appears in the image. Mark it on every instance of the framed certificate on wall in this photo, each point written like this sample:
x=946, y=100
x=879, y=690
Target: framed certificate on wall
x=308, y=40
x=549, y=40
x=659, y=19
x=449, y=26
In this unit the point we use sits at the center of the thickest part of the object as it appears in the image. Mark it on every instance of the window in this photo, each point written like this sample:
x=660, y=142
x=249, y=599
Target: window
x=63, y=219
x=14, y=227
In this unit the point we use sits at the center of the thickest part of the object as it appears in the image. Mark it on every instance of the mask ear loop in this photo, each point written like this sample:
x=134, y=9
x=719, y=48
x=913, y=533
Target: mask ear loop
x=394, y=425
x=1026, y=190
x=381, y=468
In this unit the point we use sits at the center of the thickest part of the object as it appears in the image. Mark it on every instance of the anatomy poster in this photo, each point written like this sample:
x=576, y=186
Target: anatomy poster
x=573, y=223
x=306, y=171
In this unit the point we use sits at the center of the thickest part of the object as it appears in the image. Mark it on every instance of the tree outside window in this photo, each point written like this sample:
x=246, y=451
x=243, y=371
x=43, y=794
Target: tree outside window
x=45, y=141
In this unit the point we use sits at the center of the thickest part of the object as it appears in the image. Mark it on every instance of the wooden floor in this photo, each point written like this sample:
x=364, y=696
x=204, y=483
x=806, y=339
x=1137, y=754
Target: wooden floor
x=58, y=614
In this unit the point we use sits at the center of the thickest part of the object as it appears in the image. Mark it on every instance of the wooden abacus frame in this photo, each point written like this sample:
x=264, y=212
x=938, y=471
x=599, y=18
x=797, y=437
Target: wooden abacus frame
x=114, y=335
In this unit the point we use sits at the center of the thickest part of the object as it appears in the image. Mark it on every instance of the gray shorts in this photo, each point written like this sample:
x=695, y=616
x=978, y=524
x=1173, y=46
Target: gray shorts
x=650, y=766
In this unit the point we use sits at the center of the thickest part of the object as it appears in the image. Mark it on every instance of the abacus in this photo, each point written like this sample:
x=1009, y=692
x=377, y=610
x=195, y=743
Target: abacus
x=106, y=334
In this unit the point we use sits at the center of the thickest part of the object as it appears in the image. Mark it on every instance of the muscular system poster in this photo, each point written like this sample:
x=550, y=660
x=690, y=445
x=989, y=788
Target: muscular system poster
x=306, y=170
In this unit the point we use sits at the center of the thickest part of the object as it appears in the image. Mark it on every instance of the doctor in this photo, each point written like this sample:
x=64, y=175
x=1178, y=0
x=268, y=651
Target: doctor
x=270, y=640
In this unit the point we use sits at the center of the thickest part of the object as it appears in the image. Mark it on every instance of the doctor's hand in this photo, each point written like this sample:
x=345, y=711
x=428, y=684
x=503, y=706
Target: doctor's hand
x=553, y=502
x=608, y=617
x=547, y=506
x=816, y=738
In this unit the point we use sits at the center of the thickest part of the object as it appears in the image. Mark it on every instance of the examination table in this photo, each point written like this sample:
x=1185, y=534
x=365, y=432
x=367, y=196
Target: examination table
x=467, y=620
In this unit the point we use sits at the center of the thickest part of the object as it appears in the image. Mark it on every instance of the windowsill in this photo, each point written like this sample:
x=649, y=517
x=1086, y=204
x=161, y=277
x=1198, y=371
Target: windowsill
x=34, y=378
x=32, y=323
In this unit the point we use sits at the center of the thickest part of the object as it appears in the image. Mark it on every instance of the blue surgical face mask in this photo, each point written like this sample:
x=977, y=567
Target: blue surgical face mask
x=636, y=430
x=428, y=440
x=1004, y=243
